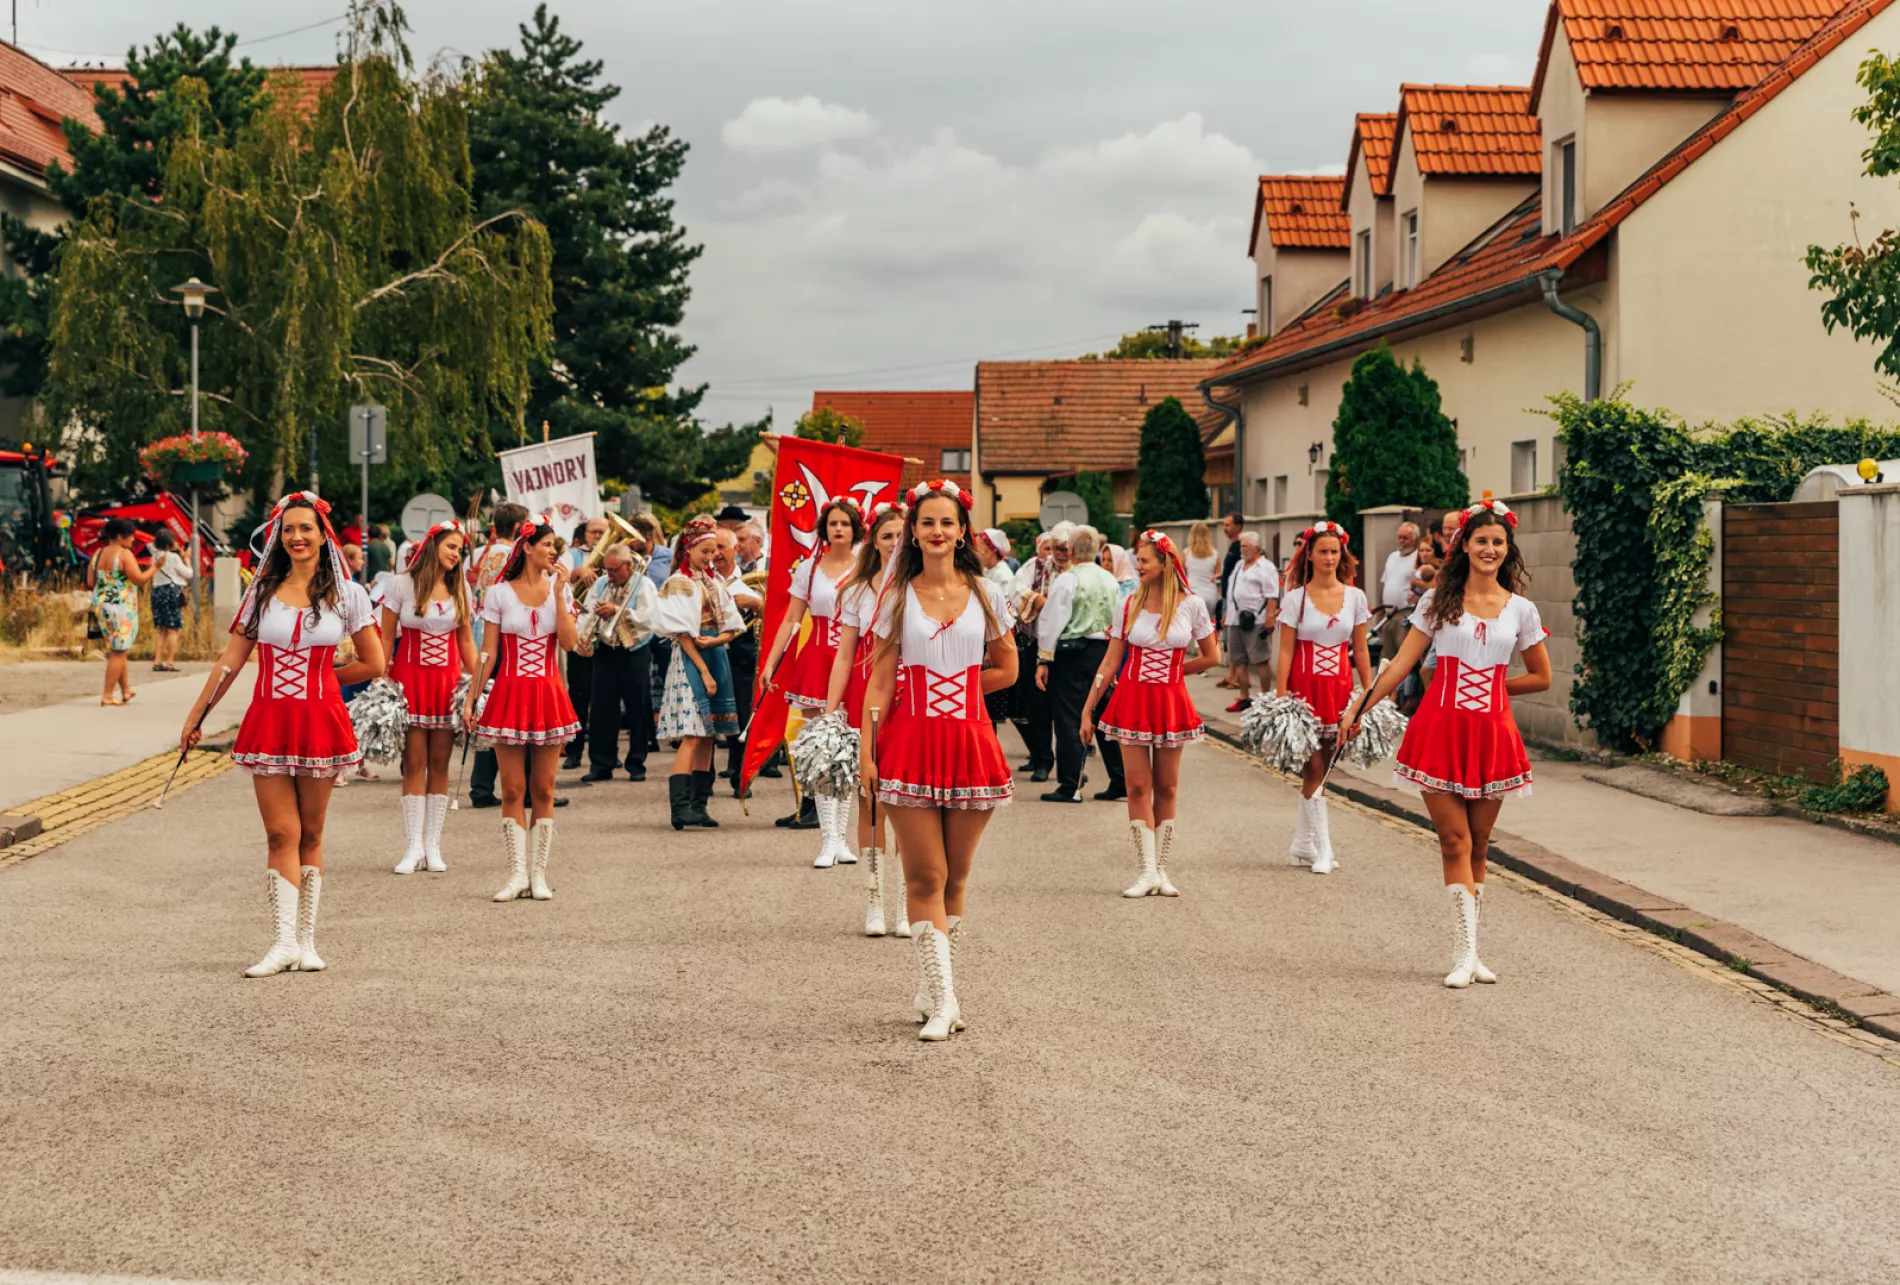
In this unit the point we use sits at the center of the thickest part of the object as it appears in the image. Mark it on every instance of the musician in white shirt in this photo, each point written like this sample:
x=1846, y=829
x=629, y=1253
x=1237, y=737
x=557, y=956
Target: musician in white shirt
x=617, y=625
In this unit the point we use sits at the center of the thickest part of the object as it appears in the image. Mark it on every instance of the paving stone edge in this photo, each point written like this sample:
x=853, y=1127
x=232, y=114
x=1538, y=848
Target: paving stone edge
x=1853, y=1001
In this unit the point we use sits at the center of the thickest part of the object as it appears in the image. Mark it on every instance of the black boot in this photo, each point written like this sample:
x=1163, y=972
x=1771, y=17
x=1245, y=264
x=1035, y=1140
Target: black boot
x=702, y=794
x=806, y=818
x=679, y=794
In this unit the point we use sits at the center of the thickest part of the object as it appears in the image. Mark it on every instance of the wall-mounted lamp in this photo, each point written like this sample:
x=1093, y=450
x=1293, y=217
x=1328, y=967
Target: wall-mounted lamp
x=1313, y=453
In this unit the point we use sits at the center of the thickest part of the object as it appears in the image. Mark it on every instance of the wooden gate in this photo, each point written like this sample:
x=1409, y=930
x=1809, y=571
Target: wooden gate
x=1781, y=636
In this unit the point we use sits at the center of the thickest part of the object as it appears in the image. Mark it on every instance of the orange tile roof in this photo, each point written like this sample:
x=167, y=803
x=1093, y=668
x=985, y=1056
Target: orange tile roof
x=311, y=81
x=1302, y=213
x=1696, y=45
x=915, y=425
x=1052, y=418
x=1501, y=267
x=1471, y=130
x=1372, y=137
x=33, y=100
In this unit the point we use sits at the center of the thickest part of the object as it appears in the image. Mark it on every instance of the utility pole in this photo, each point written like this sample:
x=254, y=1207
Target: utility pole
x=1175, y=331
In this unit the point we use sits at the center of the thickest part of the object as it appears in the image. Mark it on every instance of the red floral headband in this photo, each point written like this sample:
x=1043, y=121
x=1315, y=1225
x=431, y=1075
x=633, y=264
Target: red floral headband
x=1327, y=528
x=940, y=486
x=882, y=507
x=531, y=529
x=415, y=550
x=1164, y=545
x=1493, y=507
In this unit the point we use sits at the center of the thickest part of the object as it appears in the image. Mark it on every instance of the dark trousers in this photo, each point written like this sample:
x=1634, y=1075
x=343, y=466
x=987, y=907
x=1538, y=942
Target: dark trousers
x=744, y=653
x=580, y=686
x=619, y=695
x=1070, y=678
x=481, y=782
x=1034, y=722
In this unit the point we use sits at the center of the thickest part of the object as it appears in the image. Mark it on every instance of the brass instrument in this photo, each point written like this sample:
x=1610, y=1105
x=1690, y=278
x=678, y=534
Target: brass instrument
x=755, y=581
x=592, y=628
x=619, y=531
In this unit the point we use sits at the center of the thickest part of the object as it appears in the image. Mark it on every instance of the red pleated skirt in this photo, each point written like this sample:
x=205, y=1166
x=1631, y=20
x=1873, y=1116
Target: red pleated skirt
x=427, y=668
x=528, y=711
x=1463, y=741
x=1322, y=677
x=806, y=679
x=927, y=760
x=860, y=681
x=297, y=724
x=1157, y=714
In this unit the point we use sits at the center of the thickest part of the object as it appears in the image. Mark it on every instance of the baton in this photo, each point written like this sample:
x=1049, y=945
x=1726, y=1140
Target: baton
x=461, y=775
x=1340, y=747
x=223, y=671
x=873, y=792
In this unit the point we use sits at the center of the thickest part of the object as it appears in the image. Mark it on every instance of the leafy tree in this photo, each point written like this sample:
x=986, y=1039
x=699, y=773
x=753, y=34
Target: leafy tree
x=1392, y=443
x=1171, y=479
x=1152, y=345
x=828, y=425
x=1098, y=492
x=1864, y=280
x=124, y=159
x=350, y=265
x=538, y=143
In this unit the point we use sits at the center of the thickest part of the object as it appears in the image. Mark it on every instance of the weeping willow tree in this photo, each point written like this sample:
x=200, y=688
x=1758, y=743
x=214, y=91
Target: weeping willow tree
x=349, y=265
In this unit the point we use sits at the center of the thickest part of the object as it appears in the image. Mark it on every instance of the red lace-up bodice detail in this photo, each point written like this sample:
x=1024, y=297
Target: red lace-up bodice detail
x=1155, y=664
x=929, y=694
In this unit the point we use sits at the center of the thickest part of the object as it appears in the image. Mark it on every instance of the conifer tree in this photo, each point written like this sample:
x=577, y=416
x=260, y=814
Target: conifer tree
x=1171, y=479
x=1392, y=443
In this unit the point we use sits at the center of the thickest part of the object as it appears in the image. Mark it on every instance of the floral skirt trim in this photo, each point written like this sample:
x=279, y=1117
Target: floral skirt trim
x=1165, y=740
x=971, y=798
x=539, y=736
x=435, y=722
x=292, y=765
x=1512, y=787
x=805, y=702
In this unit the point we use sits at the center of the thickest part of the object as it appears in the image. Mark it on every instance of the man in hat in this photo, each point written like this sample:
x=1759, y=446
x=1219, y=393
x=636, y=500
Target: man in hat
x=731, y=518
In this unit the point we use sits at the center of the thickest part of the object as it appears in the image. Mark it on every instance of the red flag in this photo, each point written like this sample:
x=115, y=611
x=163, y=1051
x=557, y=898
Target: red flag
x=809, y=475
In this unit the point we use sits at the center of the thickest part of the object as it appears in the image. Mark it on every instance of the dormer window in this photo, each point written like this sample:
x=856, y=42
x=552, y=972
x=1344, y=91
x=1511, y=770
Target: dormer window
x=1567, y=186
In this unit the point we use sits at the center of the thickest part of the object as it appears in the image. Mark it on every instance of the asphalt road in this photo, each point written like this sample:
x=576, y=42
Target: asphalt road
x=688, y=1067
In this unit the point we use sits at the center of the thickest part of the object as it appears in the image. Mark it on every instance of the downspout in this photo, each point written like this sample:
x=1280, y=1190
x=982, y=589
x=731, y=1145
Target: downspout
x=1233, y=416
x=1592, y=333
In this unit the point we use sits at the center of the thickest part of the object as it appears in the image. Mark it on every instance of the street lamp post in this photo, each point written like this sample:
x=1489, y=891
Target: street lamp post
x=192, y=295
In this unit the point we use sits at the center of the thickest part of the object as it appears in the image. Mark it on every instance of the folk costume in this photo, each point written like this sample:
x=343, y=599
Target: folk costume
x=1320, y=674
x=1463, y=740
x=1149, y=706
x=528, y=704
x=807, y=683
x=886, y=909
x=426, y=666
x=297, y=724
x=697, y=607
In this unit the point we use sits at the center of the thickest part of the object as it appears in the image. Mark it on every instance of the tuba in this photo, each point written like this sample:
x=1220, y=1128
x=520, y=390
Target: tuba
x=619, y=531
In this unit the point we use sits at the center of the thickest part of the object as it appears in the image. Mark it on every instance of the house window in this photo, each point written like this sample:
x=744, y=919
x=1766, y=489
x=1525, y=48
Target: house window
x=1266, y=308
x=1464, y=461
x=1365, y=269
x=1411, y=248
x=1279, y=494
x=954, y=462
x=1567, y=186
x=1523, y=467
x=1320, y=478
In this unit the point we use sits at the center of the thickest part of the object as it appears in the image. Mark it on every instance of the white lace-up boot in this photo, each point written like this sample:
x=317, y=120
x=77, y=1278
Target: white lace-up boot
x=874, y=895
x=925, y=1002
x=841, y=832
x=413, y=808
x=827, y=821
x=946, y=1016
x=1323, y=864
x=1164, y=848
x=1479, y=973
x=896, y=893
x=432, y=819
x=283, y=911
x=1464, y=941
x=542, y=841
x=514, y=846
x=1146, y=883
x=308, y=893
x=1304, y=850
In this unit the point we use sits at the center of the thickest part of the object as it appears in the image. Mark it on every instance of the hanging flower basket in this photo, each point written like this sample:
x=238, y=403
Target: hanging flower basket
x=184, y=462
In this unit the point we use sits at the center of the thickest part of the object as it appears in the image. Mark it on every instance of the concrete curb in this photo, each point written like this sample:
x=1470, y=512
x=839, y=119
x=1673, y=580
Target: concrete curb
x=17, y=827
x=1868, y=1006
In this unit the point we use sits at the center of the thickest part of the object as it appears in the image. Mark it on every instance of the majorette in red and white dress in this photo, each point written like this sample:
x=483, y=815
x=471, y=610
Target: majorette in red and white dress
x=297, y=724
x=529, y=704
x=937, y=749
x=857, y=609
x=1150, y=704
x=807, y=678
x=1321, y=673
x=428, y=663
x=1463, y=740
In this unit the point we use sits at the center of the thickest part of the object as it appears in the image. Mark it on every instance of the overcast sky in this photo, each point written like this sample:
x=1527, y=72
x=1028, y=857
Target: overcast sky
x=890, y=190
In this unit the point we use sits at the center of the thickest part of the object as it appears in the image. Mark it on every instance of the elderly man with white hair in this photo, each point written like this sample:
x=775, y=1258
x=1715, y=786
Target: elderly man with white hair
x=1071, y=640
x=1028, y=592
x=1395, y=589
x=1252, y=595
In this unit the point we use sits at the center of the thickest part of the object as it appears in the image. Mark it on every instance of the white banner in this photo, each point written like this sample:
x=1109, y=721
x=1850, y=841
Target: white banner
x=556, y=478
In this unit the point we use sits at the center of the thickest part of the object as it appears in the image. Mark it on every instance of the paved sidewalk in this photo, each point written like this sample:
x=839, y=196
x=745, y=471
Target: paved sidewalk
x=1819, y=893
x=57, y=747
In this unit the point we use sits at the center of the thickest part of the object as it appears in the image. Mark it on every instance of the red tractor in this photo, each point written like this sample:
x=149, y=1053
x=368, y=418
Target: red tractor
x=40, y=540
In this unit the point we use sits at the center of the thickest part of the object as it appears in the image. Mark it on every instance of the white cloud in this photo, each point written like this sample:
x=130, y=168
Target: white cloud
x=793, y=124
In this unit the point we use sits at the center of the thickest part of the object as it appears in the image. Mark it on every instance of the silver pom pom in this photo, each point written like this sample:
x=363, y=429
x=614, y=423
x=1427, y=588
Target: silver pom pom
x=1282, y=730
x=381, y=718
x=825, y=757
x=481, y=703
x=1381, y=730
